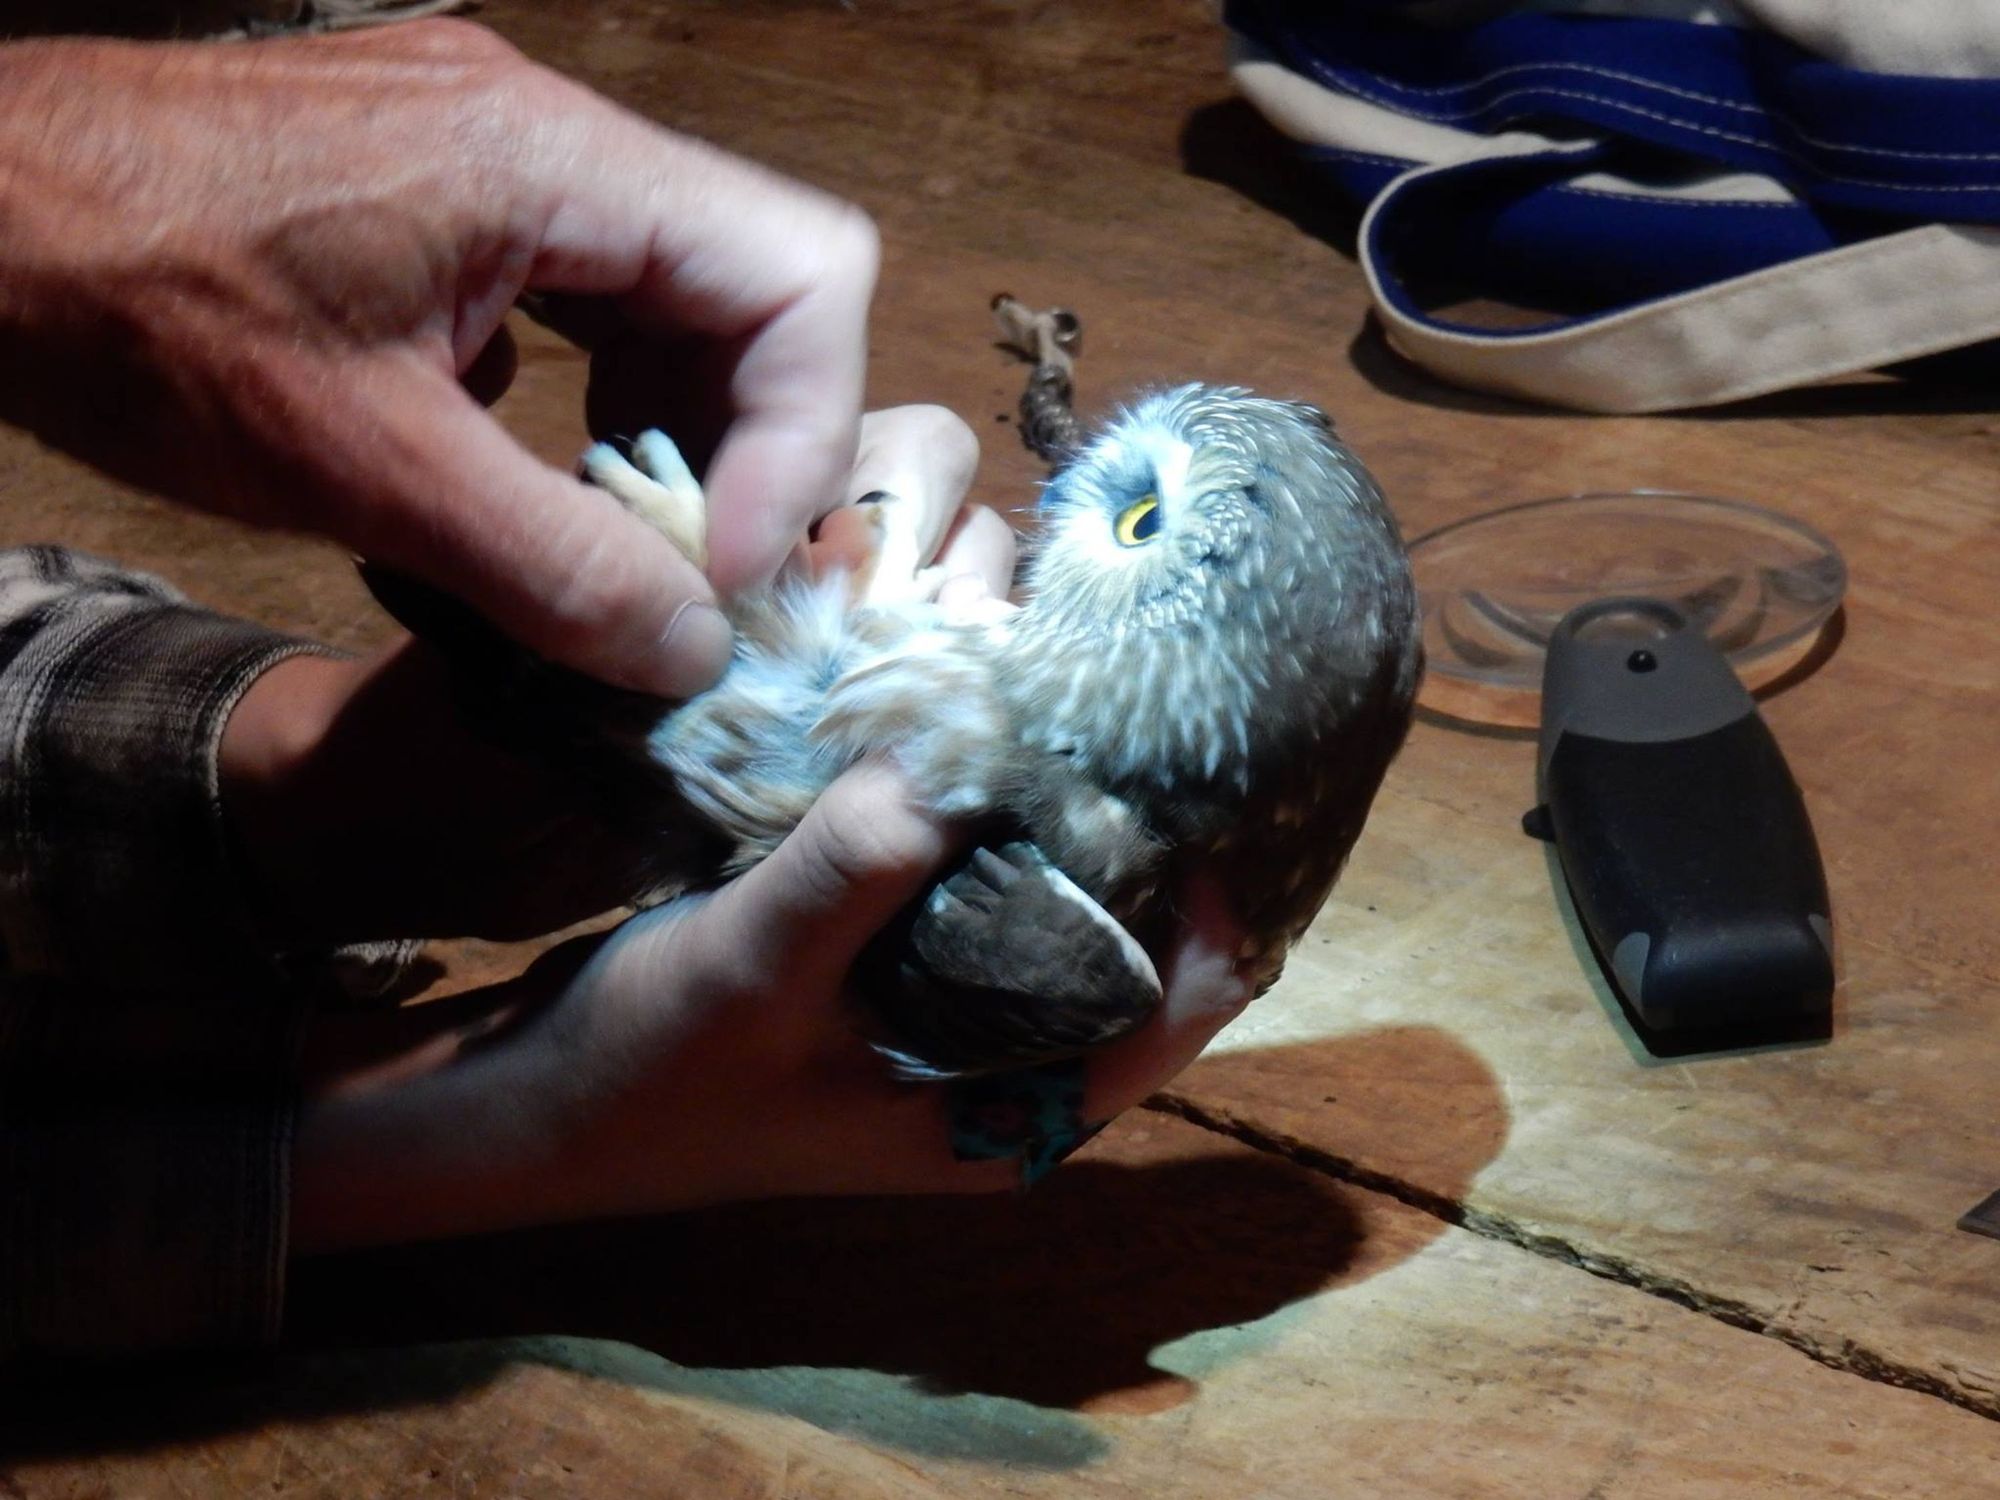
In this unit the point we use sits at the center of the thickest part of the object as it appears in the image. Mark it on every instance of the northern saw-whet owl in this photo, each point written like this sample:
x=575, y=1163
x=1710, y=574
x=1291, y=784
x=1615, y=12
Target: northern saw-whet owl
x=1212, y=664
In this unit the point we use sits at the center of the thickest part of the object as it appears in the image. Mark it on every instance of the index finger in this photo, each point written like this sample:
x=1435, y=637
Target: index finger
x=785, y=455
x=773, y=276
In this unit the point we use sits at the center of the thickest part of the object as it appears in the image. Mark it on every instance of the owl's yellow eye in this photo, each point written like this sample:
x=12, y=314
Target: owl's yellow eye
x=1140, y=521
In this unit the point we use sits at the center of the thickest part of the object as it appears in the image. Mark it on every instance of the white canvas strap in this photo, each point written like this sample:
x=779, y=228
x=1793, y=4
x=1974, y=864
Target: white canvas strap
x=1860, y=307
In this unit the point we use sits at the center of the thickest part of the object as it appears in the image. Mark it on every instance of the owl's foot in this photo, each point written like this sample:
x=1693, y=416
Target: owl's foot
x=1051, y=340
x=658, y=487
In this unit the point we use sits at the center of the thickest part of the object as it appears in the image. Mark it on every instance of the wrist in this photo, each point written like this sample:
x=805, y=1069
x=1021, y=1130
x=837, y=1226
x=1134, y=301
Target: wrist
x=67, y=248
x=429, y=1122
x=277, y=721
x=123, y=320
x=262, y=763
x=542, y=1100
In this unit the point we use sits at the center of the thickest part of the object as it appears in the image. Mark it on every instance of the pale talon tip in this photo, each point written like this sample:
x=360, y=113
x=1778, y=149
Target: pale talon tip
x=656, y=485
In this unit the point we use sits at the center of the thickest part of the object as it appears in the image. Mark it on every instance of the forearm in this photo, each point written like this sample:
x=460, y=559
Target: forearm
x=417, y=1125
x=473, y=1113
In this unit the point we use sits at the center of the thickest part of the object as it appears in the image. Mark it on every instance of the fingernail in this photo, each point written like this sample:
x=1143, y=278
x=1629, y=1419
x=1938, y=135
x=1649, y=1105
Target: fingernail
x=694, y=652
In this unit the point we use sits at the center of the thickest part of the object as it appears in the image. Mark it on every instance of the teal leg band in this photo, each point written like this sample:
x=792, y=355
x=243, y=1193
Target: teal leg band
x=1032, y=1114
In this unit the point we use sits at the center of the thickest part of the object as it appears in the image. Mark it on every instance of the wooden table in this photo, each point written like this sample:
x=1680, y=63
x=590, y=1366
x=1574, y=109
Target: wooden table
x=1424, y=1222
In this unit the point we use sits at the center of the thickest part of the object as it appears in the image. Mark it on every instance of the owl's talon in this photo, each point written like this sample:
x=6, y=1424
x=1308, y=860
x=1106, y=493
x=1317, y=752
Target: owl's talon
x=656, y=456
x=656, y=485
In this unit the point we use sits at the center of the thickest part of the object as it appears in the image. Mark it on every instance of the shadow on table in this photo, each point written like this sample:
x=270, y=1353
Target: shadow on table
x=1012, y=1311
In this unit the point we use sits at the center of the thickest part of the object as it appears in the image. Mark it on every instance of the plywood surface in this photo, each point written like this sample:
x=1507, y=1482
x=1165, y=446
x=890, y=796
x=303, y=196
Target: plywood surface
x=1814, y=1189
x=1607, y=1276
x=1179, y=1316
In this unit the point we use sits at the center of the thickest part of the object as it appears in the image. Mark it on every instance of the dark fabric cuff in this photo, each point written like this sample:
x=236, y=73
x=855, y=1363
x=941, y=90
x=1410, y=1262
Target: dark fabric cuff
x=121, y=873
x=144, y=1173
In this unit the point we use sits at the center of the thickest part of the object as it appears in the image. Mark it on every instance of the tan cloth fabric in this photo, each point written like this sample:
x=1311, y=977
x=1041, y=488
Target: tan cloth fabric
x=147, y=1027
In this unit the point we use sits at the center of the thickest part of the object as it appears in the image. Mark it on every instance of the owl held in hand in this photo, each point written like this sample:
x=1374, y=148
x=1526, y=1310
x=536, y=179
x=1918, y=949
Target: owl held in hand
x=1212, y=664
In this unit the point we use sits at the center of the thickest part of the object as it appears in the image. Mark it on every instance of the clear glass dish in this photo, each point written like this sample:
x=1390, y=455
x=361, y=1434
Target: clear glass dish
x=1493, y=587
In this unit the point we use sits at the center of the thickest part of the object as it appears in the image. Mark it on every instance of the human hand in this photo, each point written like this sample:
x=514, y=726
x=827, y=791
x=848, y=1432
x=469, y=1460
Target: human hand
x=366, y=807
x=250, y=277
x=917, y=461
x=706, y=1052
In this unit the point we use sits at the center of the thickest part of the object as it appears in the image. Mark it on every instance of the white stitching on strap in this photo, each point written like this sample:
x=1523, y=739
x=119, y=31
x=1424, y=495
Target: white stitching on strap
x=1652, y=200
x=1855, y=308
x=1675, y=120
x=1590, y=70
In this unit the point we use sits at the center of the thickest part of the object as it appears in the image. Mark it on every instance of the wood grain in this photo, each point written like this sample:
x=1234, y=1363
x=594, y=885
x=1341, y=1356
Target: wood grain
x=1178, y=1314
x=1118, y=179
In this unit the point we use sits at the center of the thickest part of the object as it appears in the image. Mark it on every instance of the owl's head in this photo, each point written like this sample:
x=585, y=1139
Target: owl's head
x=1148, y=525
x=1213, y=571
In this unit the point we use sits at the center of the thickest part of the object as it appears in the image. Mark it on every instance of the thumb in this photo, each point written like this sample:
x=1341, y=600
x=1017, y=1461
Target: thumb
x=1206, y=989
x=556, y=564
x=861, y=854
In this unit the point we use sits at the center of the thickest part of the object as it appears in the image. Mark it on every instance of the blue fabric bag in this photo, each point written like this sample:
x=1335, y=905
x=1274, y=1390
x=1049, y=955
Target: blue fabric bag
x=1720, y=210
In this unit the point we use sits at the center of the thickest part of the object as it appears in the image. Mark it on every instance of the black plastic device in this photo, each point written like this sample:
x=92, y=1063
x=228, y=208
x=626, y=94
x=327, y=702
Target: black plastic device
x=1680, y=830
